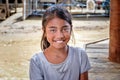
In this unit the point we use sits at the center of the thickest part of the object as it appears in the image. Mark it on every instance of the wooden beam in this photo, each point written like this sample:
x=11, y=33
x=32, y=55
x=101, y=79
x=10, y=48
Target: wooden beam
x=16, y=4
x=7, y=8
x=24, y=9
x=114, y=50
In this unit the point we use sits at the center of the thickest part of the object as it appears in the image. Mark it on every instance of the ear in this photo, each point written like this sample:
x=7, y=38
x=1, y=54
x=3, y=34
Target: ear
x=42, y=28
x=71, y=28
x=44, y=32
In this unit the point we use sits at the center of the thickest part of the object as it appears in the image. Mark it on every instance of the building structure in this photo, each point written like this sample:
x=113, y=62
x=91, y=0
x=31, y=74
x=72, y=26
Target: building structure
x=32, y=7
x=6, y=6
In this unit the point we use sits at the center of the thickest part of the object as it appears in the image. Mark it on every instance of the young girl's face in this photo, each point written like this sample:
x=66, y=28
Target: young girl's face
x=58, y=32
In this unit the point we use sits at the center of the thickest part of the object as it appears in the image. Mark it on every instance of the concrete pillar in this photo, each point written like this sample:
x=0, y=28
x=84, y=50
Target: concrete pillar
x=114, y=51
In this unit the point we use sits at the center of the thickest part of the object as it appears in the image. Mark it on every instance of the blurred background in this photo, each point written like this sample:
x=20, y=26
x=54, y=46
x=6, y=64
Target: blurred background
x=20, y=35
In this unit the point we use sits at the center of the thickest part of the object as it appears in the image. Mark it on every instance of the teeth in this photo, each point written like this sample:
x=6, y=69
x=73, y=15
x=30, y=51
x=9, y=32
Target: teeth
x=59, y=41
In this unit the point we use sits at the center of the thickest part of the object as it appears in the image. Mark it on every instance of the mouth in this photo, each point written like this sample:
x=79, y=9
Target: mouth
x=59, y=41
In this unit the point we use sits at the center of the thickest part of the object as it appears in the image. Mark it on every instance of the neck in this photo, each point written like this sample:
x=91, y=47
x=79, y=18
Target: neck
x=56, y=55
x=57, y=51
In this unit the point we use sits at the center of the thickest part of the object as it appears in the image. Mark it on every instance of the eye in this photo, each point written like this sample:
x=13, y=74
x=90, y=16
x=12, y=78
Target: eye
x=66, y=29
x=53, y=30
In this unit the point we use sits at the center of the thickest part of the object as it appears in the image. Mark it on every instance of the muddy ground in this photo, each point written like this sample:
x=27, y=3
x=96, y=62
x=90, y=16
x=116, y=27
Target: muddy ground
x=19, y=40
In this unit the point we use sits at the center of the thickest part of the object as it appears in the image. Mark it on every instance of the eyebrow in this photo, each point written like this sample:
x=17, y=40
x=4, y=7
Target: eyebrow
x=52, y=27
x=65, y=26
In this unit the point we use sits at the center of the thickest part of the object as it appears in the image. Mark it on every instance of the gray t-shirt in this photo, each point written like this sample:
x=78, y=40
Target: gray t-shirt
x=76, y=63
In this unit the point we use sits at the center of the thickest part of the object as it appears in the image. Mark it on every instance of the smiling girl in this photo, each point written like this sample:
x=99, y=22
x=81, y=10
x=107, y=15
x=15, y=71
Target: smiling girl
x=58, y=60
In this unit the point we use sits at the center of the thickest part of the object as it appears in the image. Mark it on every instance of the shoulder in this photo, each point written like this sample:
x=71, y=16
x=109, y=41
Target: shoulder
x=36, y=57
x=77, y=49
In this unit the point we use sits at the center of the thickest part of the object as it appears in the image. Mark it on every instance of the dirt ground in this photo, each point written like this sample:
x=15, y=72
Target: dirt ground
x=19, y=40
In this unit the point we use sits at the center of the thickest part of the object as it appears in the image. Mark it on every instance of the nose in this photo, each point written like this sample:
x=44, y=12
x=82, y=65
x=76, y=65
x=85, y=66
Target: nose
x=60, y=34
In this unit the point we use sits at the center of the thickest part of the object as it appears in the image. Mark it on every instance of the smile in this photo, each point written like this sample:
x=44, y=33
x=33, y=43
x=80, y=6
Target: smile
x=60, y=41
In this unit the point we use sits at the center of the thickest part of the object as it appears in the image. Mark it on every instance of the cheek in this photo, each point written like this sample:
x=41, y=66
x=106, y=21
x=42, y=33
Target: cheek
x=49, y=37
x=67, y=36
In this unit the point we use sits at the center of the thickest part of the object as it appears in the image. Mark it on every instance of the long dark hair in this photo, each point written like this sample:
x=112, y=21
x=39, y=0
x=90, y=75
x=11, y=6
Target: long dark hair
x=50, y=13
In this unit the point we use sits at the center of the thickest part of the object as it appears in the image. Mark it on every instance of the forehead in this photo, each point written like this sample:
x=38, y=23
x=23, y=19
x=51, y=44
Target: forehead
x=57, y=22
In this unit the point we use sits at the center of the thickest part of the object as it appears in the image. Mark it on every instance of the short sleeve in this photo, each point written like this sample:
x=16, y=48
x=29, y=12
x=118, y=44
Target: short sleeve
x=84, y=61
x=34, y=70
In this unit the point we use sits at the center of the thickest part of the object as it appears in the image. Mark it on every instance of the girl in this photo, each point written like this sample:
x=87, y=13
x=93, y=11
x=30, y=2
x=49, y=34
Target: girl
x=58, y=61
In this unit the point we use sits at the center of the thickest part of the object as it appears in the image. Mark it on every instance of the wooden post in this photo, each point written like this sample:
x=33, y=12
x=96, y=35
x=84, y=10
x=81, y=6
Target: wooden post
x=114, y=50
x=16, y=4
x=7, y=8
x=24, y=9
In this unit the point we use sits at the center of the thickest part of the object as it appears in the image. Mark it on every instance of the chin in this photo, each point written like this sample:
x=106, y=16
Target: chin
x=60, y=46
